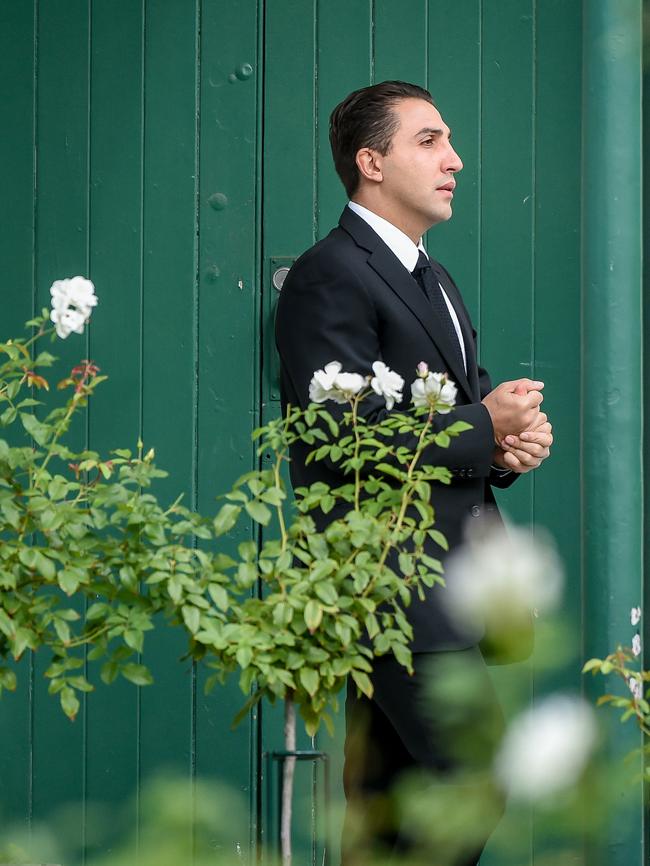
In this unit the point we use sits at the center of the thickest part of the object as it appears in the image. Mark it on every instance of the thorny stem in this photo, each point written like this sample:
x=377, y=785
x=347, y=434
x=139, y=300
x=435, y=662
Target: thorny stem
x=357, y=445
x=407, y=495
x=83, y=639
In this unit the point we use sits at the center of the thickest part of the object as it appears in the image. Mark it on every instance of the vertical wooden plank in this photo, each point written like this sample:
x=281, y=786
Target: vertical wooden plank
x=507, y=252
x=507, y=261
x=455, y=31
x=557, y=345
x=17, y=61
x=557, y=279
x=228, y=317
x=115, y=339
x=343, y=65
x=169, y=345
x=400, y=40
x=61, y=232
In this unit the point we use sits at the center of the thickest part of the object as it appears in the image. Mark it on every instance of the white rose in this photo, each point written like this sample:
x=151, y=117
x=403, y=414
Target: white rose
x=636, y=645
x=546, y=748
x=332, y=384
x=435, y=391
x=501, y=569
x=347, y=385
x=72, y=303
x=635, y=615
x=322, y=382
x=387, y=384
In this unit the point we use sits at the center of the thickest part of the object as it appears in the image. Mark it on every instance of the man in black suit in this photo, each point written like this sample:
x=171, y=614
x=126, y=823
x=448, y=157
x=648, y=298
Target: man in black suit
x=368, y=292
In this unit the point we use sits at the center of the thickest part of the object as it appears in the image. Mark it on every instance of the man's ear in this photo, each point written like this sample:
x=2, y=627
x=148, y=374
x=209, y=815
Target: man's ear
x=369, y=163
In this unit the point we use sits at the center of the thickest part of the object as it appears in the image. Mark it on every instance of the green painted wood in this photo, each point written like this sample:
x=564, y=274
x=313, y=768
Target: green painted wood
x=115, y=215
x=335, y=80
x=612, y=304
x=457, y=94
x=170, y=349
x=228, y=360
x=17, y=294
x=150, y=177
x=61, y=201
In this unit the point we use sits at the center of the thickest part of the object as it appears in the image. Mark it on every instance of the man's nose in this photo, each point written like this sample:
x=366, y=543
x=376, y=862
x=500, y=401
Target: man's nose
x=454, y=162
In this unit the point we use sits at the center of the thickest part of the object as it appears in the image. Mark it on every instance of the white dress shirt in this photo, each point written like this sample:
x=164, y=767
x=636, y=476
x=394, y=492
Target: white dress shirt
x=407, y=252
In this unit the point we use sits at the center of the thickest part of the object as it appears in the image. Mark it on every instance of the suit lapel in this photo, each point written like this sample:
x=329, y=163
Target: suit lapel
x=385, y=263
x=465, y=324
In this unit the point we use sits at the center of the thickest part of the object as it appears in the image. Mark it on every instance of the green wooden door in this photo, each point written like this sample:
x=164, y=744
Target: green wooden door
x=507, y=79
x=129, y=150
x=176, y=151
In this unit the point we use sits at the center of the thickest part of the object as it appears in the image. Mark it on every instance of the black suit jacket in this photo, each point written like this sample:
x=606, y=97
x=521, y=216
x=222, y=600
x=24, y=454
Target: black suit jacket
x=350, y=299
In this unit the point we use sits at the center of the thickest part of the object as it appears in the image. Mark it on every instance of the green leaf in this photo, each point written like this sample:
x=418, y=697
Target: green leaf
x=591, y=665
x=439, y=538
x=282, y=614
x=372, y=626
x=69, y=702
x=310, y=680
x=191, y=617
x=403, y=655
x=219, y=596
x=97, y=610
x=226, y=518
x=69, y=579
x=137, y=674
x=244, y=656
x=63, y=630
x=442, y=439
x=7, y=679
x=38, y=431
x=313, y=615
x=274, y=496
x=8, y=416
x=259, y=512
x=363, y=682
x=327, y=592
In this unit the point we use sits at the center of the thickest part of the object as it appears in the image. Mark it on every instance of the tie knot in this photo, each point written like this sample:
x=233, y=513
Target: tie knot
x=423, y=263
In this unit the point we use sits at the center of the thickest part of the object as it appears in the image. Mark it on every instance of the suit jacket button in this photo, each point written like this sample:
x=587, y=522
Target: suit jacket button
x=475, y=511
x=470, y=472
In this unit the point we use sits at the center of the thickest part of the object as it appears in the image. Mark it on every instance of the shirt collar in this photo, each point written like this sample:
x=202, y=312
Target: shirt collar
x=395, y=239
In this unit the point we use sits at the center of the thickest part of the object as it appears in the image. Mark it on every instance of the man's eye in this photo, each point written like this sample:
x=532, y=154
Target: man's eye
x=427, y=141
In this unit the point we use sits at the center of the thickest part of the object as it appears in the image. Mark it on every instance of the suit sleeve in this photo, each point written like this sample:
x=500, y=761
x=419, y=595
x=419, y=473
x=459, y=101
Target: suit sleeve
x=326, y=314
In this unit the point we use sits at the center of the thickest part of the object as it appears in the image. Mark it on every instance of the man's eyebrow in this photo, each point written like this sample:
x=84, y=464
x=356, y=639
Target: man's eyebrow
x=429, y=130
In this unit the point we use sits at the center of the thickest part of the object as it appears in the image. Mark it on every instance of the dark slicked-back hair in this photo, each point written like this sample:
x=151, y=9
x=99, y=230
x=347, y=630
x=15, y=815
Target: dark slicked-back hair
x=366, y=118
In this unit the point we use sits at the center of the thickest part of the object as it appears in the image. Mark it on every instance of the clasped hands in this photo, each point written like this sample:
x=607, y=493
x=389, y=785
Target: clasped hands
x=522, y=433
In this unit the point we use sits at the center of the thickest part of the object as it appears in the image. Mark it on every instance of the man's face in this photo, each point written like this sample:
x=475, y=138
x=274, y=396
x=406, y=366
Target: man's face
x=418, y=171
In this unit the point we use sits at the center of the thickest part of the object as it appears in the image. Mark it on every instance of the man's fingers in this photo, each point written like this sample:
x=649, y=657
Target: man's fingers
x=538, y=438
x=514, y=463
x=523, y=461
x=542, y=423
x=522, y=386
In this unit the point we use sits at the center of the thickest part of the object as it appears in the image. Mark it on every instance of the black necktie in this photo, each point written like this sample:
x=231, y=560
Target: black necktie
x=427, y=281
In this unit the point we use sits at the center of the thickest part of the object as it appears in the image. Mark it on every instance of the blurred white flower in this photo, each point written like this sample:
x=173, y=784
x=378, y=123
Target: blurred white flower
x=635, y=615
x=546, y=748
x=636, y=645
x=387, y=384
x=501, y=569
x=636, y=687
x=331, y=384
x=435, y=391
x=72, y=303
